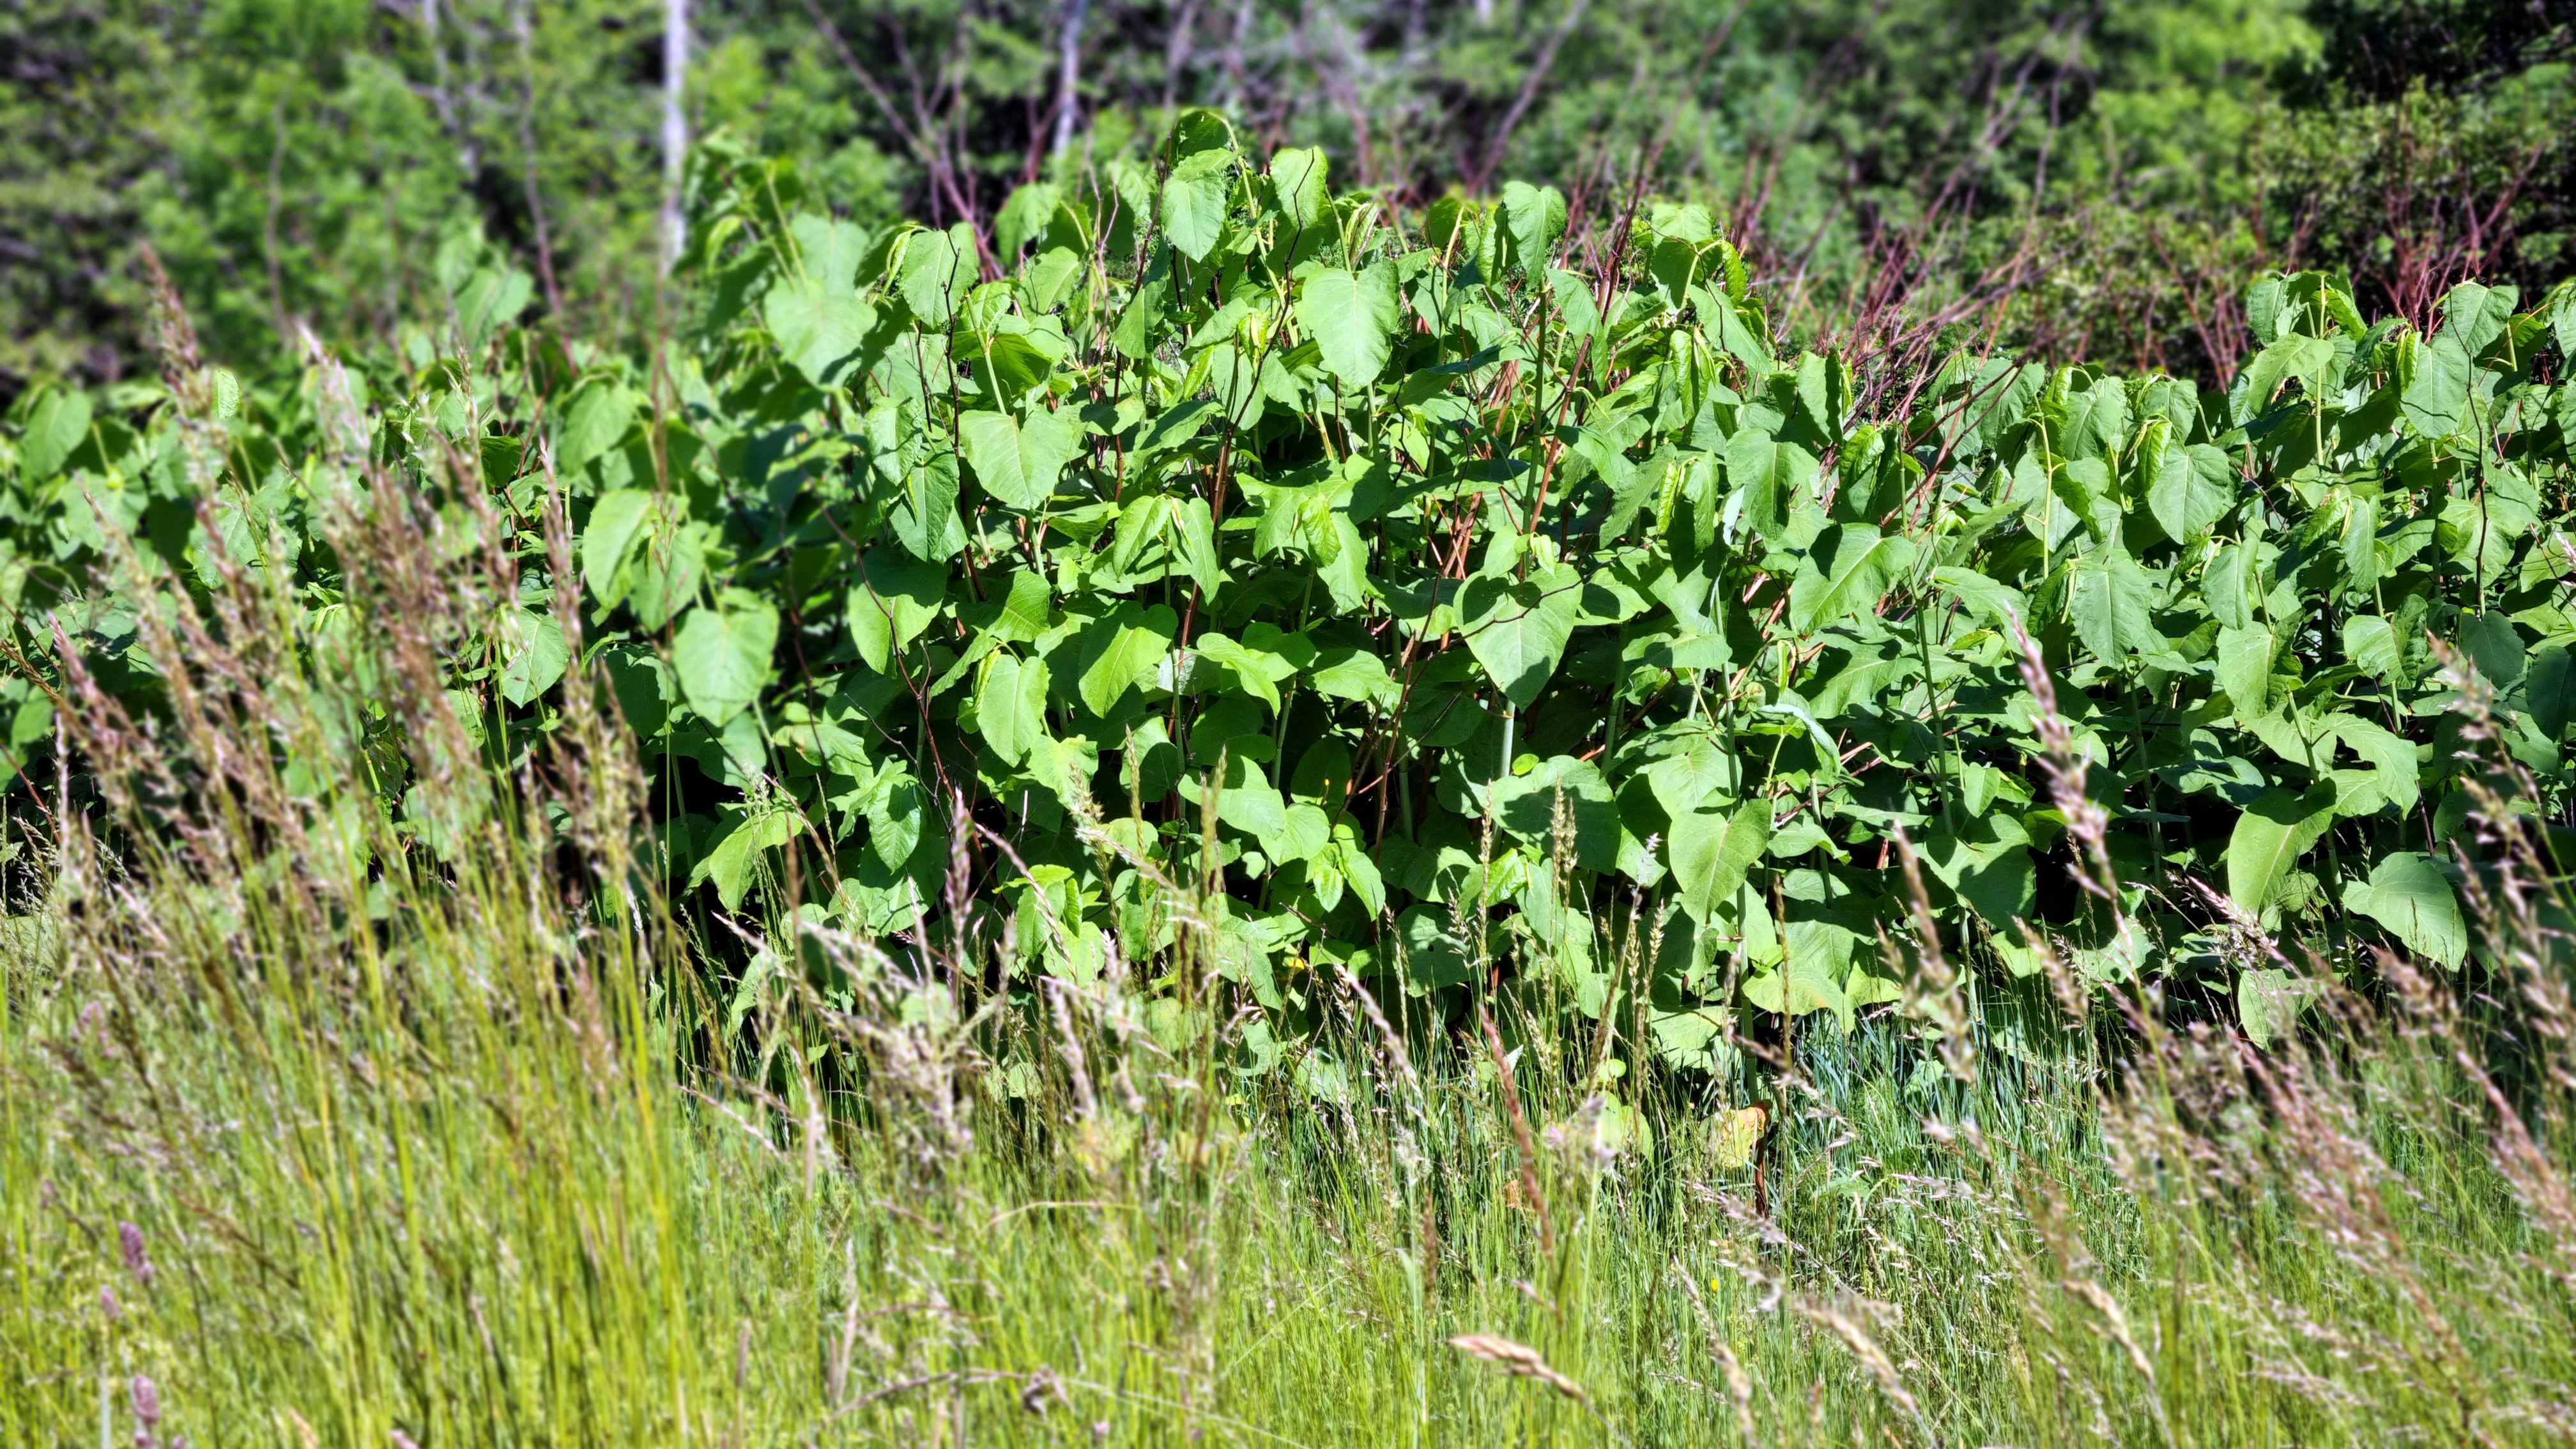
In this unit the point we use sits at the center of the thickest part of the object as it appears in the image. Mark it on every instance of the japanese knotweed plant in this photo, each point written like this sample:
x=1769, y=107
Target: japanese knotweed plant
x=1431, y=598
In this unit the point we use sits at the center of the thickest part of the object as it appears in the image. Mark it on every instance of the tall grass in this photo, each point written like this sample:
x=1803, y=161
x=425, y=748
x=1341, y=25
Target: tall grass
x=323, y=1122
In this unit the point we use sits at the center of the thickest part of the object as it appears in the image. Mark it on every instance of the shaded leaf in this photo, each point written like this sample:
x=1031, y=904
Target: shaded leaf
x=2409, y=894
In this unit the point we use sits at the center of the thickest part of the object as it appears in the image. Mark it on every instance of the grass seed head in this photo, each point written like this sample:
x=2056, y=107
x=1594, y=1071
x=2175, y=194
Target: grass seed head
x=1518, y=1360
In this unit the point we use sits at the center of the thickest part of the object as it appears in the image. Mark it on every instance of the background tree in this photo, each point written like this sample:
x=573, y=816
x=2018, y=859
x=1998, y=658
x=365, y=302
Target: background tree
x=2112, y=172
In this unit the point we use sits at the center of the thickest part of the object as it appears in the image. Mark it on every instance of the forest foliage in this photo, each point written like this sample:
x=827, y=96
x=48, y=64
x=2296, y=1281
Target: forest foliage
x=2097, y=181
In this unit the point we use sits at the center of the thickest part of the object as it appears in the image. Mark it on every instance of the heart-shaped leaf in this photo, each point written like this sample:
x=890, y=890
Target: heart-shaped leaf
x=722, y=655
x=1019, y=460
x=1349, y=316
x=1518, y=631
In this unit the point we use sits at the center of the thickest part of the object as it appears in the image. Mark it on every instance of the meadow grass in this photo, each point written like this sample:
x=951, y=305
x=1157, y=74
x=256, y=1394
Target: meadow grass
x=323, y=1126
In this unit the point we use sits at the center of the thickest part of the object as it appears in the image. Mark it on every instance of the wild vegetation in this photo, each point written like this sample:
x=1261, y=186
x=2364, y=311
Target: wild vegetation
x=1230, y=809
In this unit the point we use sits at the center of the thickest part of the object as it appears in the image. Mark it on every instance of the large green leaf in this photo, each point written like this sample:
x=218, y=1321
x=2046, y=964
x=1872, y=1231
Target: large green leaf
x=894, y=598
x=2370, y=642
x=1304, y=832
x=2110, y=599
x=922, y=511
x=1848, y=573
x=57, y=424
x=1066, y=768
x=2309, y=360
x=2268, y=1003
x=2390, y=756
x=1702, y=776
x=1024, y=218
x=1297, y=177
x=665, y=574
x=597, y=419
x=1257, y=671
x=938, y=268
x=2476, y=314
x=1536, y=218
x=1710, y=853
x=2436, y=395
x=2000, y=885
x=1010, y=710
x=615, y=521
x=2245, y=669
x=2496, y=647
x=1019, y=460
x=2550, y=689
x=1196, y=198
x=2095, y=423
x=722, y=655
x=896, y=810
x=533, y=655
x=734, y=860
x=1526, y=806
x=2269, y=838
x=1811, y=978
x=1518, y=631
x=1994, y=602
x=1123, y=652
x=1774, y=477
x=2194, y=488
x=829, y=251
x=818, y=331
x=2409, y=894
x=491, y=299
x=2232, y=585
x=1026, y=609
x=1349, y=318
x=1252, y=804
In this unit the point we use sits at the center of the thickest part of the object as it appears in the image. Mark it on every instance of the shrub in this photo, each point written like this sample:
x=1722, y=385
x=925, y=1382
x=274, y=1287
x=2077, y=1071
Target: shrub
x=1211, y=554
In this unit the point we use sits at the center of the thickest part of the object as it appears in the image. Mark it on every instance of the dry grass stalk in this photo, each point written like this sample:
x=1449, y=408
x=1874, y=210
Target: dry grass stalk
x=1844, y=1321
x=1529, y=1185
x=1520, y=1361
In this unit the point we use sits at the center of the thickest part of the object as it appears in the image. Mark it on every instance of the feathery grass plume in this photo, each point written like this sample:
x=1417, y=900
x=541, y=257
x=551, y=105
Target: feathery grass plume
x=1843, y=1318
x=1518, y=1360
